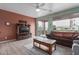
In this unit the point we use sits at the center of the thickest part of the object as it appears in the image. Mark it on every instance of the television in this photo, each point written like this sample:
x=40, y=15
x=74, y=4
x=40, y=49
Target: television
x=23, y=29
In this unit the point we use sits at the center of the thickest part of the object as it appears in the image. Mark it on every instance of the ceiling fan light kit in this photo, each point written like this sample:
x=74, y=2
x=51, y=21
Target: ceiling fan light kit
x=37, y=9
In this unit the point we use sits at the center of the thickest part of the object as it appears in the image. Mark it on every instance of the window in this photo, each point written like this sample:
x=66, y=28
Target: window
x=67, y=24
x=40, y=23
x=76, y=21
x=62, y=23
x=40, y=27
x=46, y=25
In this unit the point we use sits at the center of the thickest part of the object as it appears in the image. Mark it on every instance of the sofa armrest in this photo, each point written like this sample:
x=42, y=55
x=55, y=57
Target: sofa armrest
x=75, y=49
x=76, y=41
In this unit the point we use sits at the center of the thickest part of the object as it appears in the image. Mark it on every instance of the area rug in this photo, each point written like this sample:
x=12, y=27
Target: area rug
x=60, y=50
x=35, y=50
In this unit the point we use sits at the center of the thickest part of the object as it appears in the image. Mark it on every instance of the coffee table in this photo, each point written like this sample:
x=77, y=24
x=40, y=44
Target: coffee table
x=45, y=44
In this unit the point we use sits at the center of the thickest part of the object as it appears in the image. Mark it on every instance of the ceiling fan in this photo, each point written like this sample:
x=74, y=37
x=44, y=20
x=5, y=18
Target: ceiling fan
x=39, y=6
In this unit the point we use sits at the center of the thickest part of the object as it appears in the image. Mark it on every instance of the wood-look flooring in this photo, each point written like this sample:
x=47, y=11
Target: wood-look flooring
x=17, y=48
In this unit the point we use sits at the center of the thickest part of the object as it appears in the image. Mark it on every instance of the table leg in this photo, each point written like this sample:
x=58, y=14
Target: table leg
x=50, y=50
x=55, y=46
x=33, y=42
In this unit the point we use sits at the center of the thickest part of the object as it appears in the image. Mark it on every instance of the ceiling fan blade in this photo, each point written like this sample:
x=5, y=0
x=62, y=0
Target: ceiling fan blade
x=37, y=5
x=41, y=4
x=46, y=9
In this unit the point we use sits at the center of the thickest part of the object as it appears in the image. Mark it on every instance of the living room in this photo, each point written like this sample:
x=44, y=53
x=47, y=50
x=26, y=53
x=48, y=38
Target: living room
x=39, y=28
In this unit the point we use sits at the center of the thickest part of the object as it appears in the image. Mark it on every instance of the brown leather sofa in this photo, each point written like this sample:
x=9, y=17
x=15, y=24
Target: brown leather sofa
x=63, y=38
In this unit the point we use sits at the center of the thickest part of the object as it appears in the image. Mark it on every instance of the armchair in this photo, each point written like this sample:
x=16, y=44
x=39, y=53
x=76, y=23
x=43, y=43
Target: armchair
x=75, y=47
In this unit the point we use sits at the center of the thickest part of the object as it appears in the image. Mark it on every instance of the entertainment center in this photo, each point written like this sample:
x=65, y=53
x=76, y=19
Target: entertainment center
x=23, y=30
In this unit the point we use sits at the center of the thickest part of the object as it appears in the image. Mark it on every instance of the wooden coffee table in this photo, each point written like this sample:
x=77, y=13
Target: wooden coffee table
x=45, y=44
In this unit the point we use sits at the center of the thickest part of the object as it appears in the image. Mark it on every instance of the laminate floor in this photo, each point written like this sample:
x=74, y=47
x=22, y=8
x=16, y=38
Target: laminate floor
x=24, y=47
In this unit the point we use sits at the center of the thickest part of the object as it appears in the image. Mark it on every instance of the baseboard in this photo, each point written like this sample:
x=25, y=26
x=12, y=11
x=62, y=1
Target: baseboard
x=7, y=41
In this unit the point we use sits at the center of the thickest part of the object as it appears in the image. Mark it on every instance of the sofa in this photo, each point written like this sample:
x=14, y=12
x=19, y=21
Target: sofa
x=63, y=38
x=75, y=47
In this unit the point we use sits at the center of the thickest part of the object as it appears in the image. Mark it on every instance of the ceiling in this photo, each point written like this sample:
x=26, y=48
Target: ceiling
x=29, y=9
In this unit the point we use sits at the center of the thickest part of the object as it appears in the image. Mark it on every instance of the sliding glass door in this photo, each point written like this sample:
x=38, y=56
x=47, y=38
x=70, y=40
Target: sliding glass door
x=42, y=27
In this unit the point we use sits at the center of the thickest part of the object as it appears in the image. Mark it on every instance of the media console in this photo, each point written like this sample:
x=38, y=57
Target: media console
x=23, y=30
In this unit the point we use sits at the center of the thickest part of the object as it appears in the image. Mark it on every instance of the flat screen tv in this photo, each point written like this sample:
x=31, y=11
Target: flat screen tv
x=23, y=29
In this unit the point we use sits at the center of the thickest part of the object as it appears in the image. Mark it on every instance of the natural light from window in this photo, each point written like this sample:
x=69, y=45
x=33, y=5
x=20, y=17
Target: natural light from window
x=62, y=23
